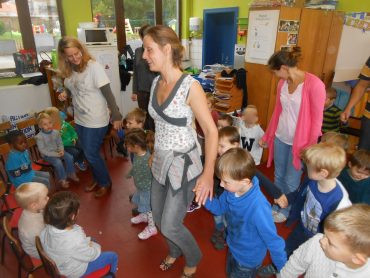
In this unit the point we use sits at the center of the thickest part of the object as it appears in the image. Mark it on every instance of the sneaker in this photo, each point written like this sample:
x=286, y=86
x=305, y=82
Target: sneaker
x=73, y=177
x=64, y=184
x=216, y=234
x=147, y=232
x=267, y=271
x=193, y=206
x=279, y=217
x=82, y=166
x=141, y=218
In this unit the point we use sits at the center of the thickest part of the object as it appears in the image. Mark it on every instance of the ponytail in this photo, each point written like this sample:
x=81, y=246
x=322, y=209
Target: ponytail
x=285, y=57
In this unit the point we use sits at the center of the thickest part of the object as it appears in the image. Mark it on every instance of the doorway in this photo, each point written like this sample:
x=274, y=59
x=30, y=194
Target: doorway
x=219, y=36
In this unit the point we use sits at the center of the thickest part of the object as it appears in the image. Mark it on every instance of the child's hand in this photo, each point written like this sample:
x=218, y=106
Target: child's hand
x=150, y=161
x=61, y=153
x=262, y=144
x=74, y=141
x=282, y=201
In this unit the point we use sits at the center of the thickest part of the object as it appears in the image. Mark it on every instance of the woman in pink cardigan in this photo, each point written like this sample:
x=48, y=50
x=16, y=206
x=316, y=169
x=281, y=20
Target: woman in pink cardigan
x=295, y=123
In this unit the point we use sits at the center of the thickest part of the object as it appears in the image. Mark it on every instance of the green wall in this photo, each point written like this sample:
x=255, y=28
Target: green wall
x=354, y=5
x=75, y=12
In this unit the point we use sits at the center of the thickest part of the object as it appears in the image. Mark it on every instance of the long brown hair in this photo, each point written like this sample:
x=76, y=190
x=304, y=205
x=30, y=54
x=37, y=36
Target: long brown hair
x=283, y=57
x=64, y=65
x=163, y=35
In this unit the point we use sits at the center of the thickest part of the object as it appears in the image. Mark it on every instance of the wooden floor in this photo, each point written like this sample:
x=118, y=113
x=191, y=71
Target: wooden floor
x=108, y=221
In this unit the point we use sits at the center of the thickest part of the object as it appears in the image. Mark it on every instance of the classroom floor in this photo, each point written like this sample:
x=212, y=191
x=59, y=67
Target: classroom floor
x=108, y=221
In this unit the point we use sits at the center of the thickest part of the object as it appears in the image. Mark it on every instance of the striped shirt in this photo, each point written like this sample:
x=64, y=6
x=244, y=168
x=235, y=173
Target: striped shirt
x=331, y=119
x=365, y=75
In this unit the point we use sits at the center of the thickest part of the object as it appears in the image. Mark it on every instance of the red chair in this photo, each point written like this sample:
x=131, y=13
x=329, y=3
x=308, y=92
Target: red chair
x=52, y=270
x=25, y=262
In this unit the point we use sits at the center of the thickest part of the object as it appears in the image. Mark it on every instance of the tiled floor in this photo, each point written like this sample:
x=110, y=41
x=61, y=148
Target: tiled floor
x=108, y=221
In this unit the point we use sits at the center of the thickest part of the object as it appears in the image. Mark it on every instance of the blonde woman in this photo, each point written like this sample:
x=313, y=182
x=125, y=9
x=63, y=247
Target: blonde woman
x=89, y=87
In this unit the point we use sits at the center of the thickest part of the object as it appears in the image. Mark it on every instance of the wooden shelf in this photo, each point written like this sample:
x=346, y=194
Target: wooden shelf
x=228, y=97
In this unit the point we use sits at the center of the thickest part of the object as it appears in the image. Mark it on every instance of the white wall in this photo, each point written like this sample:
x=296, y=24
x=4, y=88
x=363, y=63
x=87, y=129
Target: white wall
x=17, y=100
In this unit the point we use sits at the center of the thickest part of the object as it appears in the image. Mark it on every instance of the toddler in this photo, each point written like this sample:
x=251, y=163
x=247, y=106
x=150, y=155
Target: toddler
x=250, y=132
x=134, y=119
x=331, y=120
x=250, y=227
x=69, y=137
x=356, y=177
x=18, y=165
x=342, y=251
x=224, y=120
x=51, y=148
x=74, y=254
x=32, y=198
x=136, y=143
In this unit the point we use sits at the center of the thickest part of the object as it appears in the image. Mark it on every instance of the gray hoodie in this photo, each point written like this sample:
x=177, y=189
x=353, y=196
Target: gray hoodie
x=71, y=249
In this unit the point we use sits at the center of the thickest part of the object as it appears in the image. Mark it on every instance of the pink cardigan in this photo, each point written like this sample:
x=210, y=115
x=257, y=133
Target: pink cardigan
x=309, y=120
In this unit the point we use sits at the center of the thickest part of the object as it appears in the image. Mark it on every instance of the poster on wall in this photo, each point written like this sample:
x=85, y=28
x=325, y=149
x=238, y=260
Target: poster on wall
x=291, y=26
x=261, y=35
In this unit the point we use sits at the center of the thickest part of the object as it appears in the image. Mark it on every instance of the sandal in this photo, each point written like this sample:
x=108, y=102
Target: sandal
x=190, y=275
x=164, y=266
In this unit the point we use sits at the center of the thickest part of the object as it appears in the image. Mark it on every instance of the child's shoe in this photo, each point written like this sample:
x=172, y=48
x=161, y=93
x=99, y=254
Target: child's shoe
x=193, y=206
x=148, y=232
x=216, y=234
x=73, y=177
x=64, y=184
x=141, y=218
x=82, y=166
x=278, y=217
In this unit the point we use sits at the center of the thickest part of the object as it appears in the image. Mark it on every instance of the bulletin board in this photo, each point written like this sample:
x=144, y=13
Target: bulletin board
x=262, y=31
x=354, y=50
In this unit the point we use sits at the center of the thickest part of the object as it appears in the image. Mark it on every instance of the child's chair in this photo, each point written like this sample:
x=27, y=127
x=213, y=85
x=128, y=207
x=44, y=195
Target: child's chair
x=38, y=163
x=25, y=262
x=52, y=270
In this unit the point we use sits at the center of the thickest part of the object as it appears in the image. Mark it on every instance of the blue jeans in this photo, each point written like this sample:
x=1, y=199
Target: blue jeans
x=58, y=165
x=42, y=177
x=287, y=178
x=76, y=152
x=91, y=140
x=295, y=239
x=169, y=210
x=235, y=270
x=104, y=259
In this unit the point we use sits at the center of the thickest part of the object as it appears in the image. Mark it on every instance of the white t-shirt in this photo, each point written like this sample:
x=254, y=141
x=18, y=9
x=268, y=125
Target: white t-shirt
x=90, y=106
x=291, y=104
x=249, y=138
x=30, y=225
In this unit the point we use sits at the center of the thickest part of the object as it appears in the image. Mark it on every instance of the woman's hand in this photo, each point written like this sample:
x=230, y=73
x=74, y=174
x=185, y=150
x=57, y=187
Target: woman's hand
x=117, y=125
x=203, y=189
x=262, y=144
x=63, y=96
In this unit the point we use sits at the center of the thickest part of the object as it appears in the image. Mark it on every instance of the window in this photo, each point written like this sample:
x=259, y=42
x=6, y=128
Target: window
x=32, y=24
x=10, y=35
x=137, y=13
x=170, y=14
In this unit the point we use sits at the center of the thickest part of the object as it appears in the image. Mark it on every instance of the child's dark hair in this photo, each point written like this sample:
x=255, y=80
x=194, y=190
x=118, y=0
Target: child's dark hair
x=331, y=93
x=284, y=58
x=12, y=136
x=361, y=159
x=231, y=133
x=226, y=117
x=141, y=138
x=61, y=210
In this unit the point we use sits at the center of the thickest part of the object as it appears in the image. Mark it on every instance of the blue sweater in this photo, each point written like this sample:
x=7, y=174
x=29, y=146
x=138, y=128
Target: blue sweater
x=19, y=167
x=250, y=227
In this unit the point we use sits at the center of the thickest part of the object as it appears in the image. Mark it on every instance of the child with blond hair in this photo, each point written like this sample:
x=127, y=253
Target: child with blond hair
x=342, y=251
x=32, y=198
x=250, y=132
x=51, y=148
x=356, y=177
